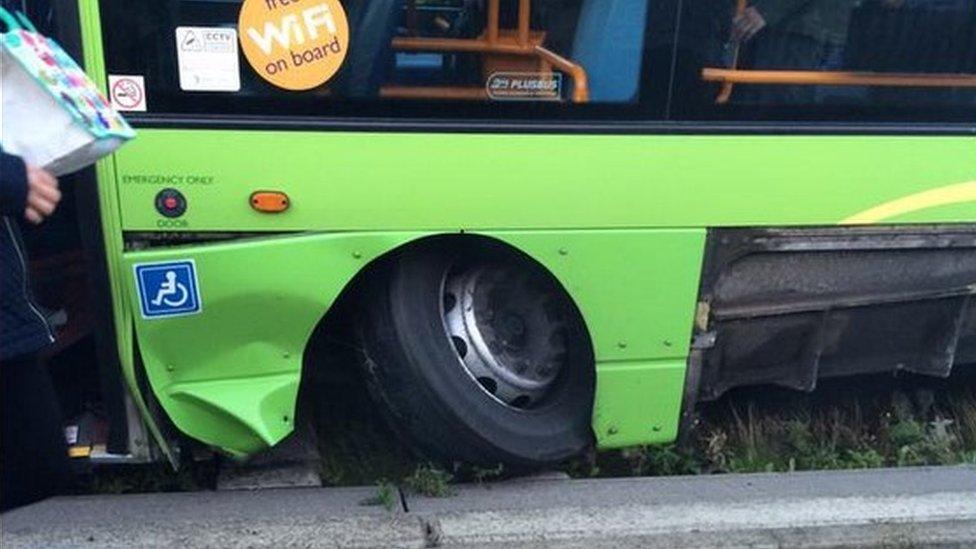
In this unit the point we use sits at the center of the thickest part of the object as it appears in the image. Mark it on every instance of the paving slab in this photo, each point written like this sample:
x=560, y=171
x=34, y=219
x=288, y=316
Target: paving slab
x=534, y=493
x=260, y=518
x=895, y=507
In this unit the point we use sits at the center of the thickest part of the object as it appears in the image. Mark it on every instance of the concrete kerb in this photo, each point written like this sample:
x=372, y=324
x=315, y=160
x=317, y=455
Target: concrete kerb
x=930, y=506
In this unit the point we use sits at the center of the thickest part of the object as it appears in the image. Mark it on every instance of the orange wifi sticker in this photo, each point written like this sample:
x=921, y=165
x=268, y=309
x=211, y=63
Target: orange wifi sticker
x=294, y=44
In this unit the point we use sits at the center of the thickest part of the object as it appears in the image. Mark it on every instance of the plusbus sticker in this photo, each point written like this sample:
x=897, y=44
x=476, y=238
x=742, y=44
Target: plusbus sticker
x=168, y=289
x=525, y=86
x=295, y=45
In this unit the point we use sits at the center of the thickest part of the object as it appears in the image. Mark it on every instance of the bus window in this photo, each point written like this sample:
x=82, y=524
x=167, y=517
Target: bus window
x=483, y=58
x=842, y=60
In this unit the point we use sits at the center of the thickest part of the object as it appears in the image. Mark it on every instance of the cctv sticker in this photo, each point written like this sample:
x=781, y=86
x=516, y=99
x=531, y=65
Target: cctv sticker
x=207, y=58
x=294, y=44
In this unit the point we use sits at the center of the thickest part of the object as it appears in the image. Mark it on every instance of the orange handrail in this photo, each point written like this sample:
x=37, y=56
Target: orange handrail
x=492, y=27
x=524, y=14
x=521, y=41
x=461, y=45
x=581, y=87
x=426, y=92
x=839, y=78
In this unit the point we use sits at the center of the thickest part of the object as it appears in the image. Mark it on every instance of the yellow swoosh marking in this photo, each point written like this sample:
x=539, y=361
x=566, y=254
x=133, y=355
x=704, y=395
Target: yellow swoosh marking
x=952, y=194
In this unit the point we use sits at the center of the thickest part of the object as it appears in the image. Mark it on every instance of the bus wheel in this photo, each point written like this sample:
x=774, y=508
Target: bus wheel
x=484, y=361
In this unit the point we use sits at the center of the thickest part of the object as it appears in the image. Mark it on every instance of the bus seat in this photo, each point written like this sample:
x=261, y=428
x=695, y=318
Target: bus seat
x=609, y=44
x=370, y=58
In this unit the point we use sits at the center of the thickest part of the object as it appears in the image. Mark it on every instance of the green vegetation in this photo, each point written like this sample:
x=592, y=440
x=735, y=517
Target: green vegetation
x=386, y=495
x=429, y=480
x=873, y=422
x=853, y=427
x=158, y=477
x=484, y=474
x=868, y=423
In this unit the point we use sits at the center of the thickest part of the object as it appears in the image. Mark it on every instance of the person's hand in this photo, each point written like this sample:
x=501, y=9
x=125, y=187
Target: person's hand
x=42, y=194
x=746, y=24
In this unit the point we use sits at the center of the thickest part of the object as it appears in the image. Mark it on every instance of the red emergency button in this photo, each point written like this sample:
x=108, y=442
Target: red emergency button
x=170, y=203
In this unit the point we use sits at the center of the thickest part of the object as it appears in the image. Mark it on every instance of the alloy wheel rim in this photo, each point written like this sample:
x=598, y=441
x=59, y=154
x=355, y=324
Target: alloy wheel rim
x=508, y=330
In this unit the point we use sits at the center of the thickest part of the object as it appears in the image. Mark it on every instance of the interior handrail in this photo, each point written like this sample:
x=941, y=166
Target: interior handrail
x=519, y=41
x=839, y=78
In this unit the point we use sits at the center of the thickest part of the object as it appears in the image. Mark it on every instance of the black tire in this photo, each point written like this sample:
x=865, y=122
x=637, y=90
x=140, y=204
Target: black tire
x=415, y=372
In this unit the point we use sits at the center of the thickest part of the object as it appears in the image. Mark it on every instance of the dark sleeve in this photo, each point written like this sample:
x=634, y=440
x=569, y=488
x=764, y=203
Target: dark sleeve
x=775, y=11
x=13, y=184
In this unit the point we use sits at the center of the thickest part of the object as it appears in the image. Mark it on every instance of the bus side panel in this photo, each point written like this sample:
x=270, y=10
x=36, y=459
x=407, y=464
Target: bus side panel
x=404, y=181
x=637, y=290
x=229, y=375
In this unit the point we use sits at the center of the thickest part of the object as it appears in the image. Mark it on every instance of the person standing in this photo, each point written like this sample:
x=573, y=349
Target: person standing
x=33, y=454
x=803, y=35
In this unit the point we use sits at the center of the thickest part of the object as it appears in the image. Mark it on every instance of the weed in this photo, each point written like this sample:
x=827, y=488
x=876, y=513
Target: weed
x=128, y=479
x=429, y=480
x=863, y=459
x=583, y=467
x=386, y=495
x=664, y=460
x=843, y=427
x=963, y=408
x=907, y=432
x=481, y=474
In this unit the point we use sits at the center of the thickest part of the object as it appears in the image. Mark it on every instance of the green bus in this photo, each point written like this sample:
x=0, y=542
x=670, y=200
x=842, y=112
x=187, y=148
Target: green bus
x=543, y=225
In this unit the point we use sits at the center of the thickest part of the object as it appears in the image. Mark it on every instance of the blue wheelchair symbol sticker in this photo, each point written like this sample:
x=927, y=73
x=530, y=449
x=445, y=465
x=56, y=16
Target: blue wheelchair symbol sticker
x=168, y=289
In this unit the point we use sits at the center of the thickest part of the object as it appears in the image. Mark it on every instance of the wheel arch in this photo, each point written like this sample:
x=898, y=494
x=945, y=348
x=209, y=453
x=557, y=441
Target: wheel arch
x=332, y=318
x=640, y=341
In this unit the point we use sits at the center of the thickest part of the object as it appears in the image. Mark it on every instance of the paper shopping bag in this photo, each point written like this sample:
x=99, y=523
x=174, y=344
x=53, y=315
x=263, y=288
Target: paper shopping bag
x=52, y=114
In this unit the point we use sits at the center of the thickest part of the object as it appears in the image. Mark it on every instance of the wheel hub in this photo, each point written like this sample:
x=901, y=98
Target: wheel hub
x=508, y=330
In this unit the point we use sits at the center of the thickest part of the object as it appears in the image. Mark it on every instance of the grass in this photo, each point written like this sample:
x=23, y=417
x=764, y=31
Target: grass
x=157, y=477
x=386, y=495
x=846, y=424
x=843, y=426
x=484, y=474
x=429, y=480
x=863, y=423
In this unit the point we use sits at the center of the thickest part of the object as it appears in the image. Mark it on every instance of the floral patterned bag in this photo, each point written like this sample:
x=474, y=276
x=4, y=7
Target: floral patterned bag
x=52, y=114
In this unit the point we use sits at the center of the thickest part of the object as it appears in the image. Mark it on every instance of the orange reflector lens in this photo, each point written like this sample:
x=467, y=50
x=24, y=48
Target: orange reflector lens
x=270, y=201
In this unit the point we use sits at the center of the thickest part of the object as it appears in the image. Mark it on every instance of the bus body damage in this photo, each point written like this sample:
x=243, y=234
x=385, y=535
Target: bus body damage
x=791, y=306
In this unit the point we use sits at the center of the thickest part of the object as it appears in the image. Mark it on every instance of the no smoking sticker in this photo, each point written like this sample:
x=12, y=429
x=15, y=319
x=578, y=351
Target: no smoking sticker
x=295, y=45
x=127, y=93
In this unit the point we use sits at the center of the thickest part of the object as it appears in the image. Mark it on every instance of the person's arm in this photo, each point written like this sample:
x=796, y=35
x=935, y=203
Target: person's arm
x=13, y=185
x=26, y=190
x=760, y=14
x=775, y=11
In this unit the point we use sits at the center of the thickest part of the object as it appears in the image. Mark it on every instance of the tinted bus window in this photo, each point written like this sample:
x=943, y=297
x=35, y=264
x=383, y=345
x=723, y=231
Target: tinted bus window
x=840, y=60
x=417, y=58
